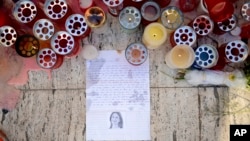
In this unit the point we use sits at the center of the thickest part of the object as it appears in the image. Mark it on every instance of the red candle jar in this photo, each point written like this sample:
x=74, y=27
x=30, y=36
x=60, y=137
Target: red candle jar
x=245, y=11
x=203, y=25
x=219, y=10
x=236, y=51
x=188, y=5
x=163, y=3
x=27, y=45
x=26, y=12
x=183, y=35
x=63, y=43
x=48, y=59
x=225, y=26
x=114, y=6
x=8, y=36
x=43, y=29
x=245, y=31
x=150, y=12
x=3, y=136
x=136, y=54
x=57, y=10
x=76, y=25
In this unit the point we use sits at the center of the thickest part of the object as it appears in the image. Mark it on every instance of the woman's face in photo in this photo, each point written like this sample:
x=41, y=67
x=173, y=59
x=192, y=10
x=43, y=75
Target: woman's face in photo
x=115, y=119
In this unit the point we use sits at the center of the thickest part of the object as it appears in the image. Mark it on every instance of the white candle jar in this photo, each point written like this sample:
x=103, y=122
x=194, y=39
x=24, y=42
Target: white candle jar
x=46, y=58
x=236, y=51
x=184, y=35
x=130, y=19
x=245, y=11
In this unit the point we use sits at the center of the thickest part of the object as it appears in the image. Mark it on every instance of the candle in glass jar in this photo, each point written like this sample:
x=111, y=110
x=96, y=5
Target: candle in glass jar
x=150, y=12
x=85, y=4
x=114, y=6
x=180, y=57
x=136, y=53
x=219, y=10
x=95, y=16
x=154, y=35
x=130, y=18
x=172, y=17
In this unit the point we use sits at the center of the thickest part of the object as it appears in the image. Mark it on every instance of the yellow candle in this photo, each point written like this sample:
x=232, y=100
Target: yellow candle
x=154, y=35
x=180, y=57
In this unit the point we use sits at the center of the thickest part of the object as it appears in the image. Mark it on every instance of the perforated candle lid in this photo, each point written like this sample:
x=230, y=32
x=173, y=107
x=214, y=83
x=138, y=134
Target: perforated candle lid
x=245, y=11
x=136, y=53
x=113, y=3
x=206, y=56
x=43, y=29
x=236, y=51
x=185, y=35
x=46, y=58
x=203, y=25
x=62, y=43
x=55, y=9
x=228, y=24
x=24, y=11
x=130, y=17
x=76, y=25
x=27, y=45
x=8, y=36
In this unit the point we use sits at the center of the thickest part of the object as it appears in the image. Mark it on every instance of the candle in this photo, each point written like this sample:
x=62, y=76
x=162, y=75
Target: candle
x=85, y=4
x=48, y=59
x=43, y=29
x=236, y=51
x=8, y=36
x=219, y=10
x=203, y=25
x=206, y=56
x=225, y=26
x=172, y=17
x=180, y=57
x=134, y=3
x=154, y=35
x=130, y=19
x=27, y=45
x=188, y=5
x=76, y=25
x=245, y=11
x=63, y=43
x=114, y=6
x=89, y=52
x=183, y=35
x=163, y=3
x=150, y=12
x=136, y=53
x=95, y=16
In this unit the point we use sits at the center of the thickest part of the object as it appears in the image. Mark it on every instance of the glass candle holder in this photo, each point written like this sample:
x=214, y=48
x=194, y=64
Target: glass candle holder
x=183, y=35
x=206, y=56
x=8, y=36
x=203, y=25
x=27, y=45
x=163, y=3
x=225, y=26
x=188, y=5
x=180, y=57
x=63, y=43
x=236, y=51
x=245, y=11
x=114, y=6
x=89, y=52
x=172, y=17
x=150, y=12
x=95, y=16
x=136, y=53
x=77, y=26
x=48, y=59
x=154, y=35
x=130, y=19
x=219, y=10
x=134, y=3
x=43, y=29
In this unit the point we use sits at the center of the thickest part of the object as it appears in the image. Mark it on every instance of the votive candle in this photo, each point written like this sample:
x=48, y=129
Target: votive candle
x=154, y=35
